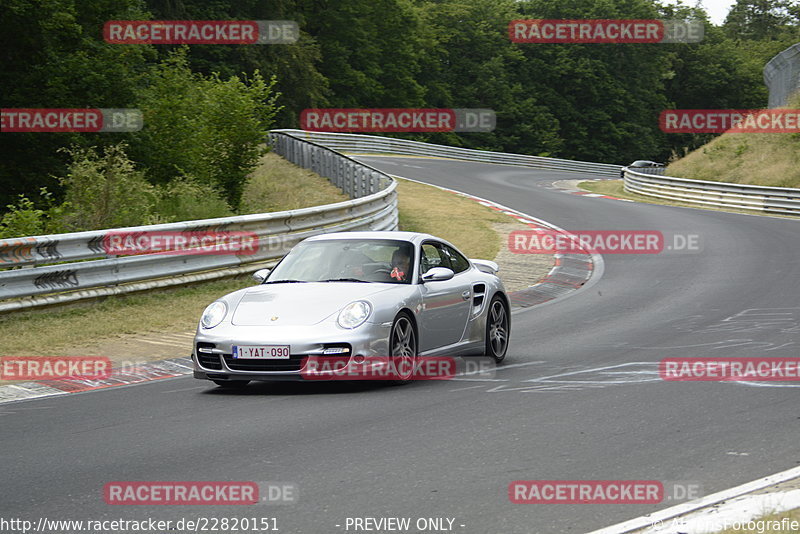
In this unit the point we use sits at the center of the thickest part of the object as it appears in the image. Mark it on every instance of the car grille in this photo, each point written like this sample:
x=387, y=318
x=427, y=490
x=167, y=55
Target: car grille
x=294, y=363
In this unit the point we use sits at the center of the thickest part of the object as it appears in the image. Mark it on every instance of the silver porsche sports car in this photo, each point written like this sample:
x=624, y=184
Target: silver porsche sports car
x=354, y=296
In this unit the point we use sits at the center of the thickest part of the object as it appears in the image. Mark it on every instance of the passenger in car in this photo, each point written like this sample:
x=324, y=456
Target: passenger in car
x=401, y=263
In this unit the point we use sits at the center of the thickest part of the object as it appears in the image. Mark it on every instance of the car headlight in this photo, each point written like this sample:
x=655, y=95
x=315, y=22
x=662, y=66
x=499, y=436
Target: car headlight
x=214, y=314
x=354, y=314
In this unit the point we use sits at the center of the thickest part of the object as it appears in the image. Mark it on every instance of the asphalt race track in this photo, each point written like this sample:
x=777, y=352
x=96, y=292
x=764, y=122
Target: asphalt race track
x=578, y=398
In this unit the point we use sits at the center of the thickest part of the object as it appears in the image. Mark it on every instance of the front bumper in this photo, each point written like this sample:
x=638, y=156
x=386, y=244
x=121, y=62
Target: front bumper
x=213, y=360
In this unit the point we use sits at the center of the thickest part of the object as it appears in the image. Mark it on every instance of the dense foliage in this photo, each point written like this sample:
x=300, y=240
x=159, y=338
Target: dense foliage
x=207, y=107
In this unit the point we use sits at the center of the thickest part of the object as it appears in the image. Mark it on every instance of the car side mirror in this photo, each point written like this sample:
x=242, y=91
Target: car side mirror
x=260, y=275
x=438, y=274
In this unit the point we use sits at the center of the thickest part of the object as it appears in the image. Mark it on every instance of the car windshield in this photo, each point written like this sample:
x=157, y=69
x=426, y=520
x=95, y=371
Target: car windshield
x=346, y=260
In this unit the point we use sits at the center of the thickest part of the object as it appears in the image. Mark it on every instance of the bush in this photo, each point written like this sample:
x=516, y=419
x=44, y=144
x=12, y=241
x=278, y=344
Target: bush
x=204, y=127
x=25, y=219
x=106, y=191
x=186, y=199
x=22, y=219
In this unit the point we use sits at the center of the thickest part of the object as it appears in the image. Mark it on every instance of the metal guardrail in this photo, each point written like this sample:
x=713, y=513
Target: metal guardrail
x=782, y=76
x=780, y=200
x=649, y=170
x=67, y=267
x=369, y=144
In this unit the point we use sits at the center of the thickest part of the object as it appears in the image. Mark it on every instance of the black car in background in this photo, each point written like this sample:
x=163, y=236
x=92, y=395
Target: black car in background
x=645, y=166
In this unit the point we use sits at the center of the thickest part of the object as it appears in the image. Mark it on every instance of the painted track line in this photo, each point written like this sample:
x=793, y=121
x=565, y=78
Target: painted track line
x=648, y=521
x=128, y=376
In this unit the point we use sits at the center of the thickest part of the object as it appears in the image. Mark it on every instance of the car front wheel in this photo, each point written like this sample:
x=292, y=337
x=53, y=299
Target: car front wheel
x=497, y=329
x=403, y=348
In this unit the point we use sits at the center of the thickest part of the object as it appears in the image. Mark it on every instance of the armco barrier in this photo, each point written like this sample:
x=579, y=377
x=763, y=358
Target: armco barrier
x=780, y=200
x=782, y=76
x=370, y=144
x=62, y=268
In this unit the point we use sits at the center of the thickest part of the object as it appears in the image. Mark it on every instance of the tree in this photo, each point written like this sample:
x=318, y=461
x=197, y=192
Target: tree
x=761, y=19
x=296, y=67
x=54, y=57
x=204, y=127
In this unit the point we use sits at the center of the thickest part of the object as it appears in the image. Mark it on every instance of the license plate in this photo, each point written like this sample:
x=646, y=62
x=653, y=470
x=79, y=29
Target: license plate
x=261, y=352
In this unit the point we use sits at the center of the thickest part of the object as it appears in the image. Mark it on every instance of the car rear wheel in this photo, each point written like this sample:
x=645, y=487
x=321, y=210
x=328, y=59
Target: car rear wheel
x=403, y=348
x=497, y=329
x=231, y=384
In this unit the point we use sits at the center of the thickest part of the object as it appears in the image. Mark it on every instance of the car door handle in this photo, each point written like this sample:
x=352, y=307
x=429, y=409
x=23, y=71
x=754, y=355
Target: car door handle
x=466, y=294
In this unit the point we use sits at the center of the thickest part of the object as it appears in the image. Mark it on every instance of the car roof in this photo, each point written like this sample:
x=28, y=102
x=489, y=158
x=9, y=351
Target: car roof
x=413, y=237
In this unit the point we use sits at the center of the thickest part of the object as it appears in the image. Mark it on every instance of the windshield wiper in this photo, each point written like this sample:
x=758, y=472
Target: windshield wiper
x=345, y=280
x=285, y=282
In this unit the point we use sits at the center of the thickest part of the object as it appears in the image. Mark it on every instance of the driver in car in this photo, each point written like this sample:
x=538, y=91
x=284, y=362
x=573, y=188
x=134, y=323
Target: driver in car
x=401, y=265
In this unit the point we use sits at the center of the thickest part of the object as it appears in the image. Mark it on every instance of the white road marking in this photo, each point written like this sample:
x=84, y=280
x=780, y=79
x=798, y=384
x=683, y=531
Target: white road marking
x=781, y=346
x=503, y=389
x=513, y=365
x=478, y=379
x=185, y=389
x=763, y=384
x=696, y=506
x=466, y=388
x=572, y=373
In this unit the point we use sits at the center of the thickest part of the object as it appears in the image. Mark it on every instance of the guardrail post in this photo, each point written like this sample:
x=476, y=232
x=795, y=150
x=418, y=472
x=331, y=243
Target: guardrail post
x=373, y=182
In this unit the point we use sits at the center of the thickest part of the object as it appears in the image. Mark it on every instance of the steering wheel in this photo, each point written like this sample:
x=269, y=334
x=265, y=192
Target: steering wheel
x=351, y=270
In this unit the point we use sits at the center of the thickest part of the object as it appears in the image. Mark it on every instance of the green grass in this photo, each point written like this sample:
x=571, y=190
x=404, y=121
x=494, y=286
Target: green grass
x=56, y=332
x=769, y=159
x=278, y=185
x=460, y=220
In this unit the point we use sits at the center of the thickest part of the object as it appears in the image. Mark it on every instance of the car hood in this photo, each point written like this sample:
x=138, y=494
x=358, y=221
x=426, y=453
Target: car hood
x=302, y=304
